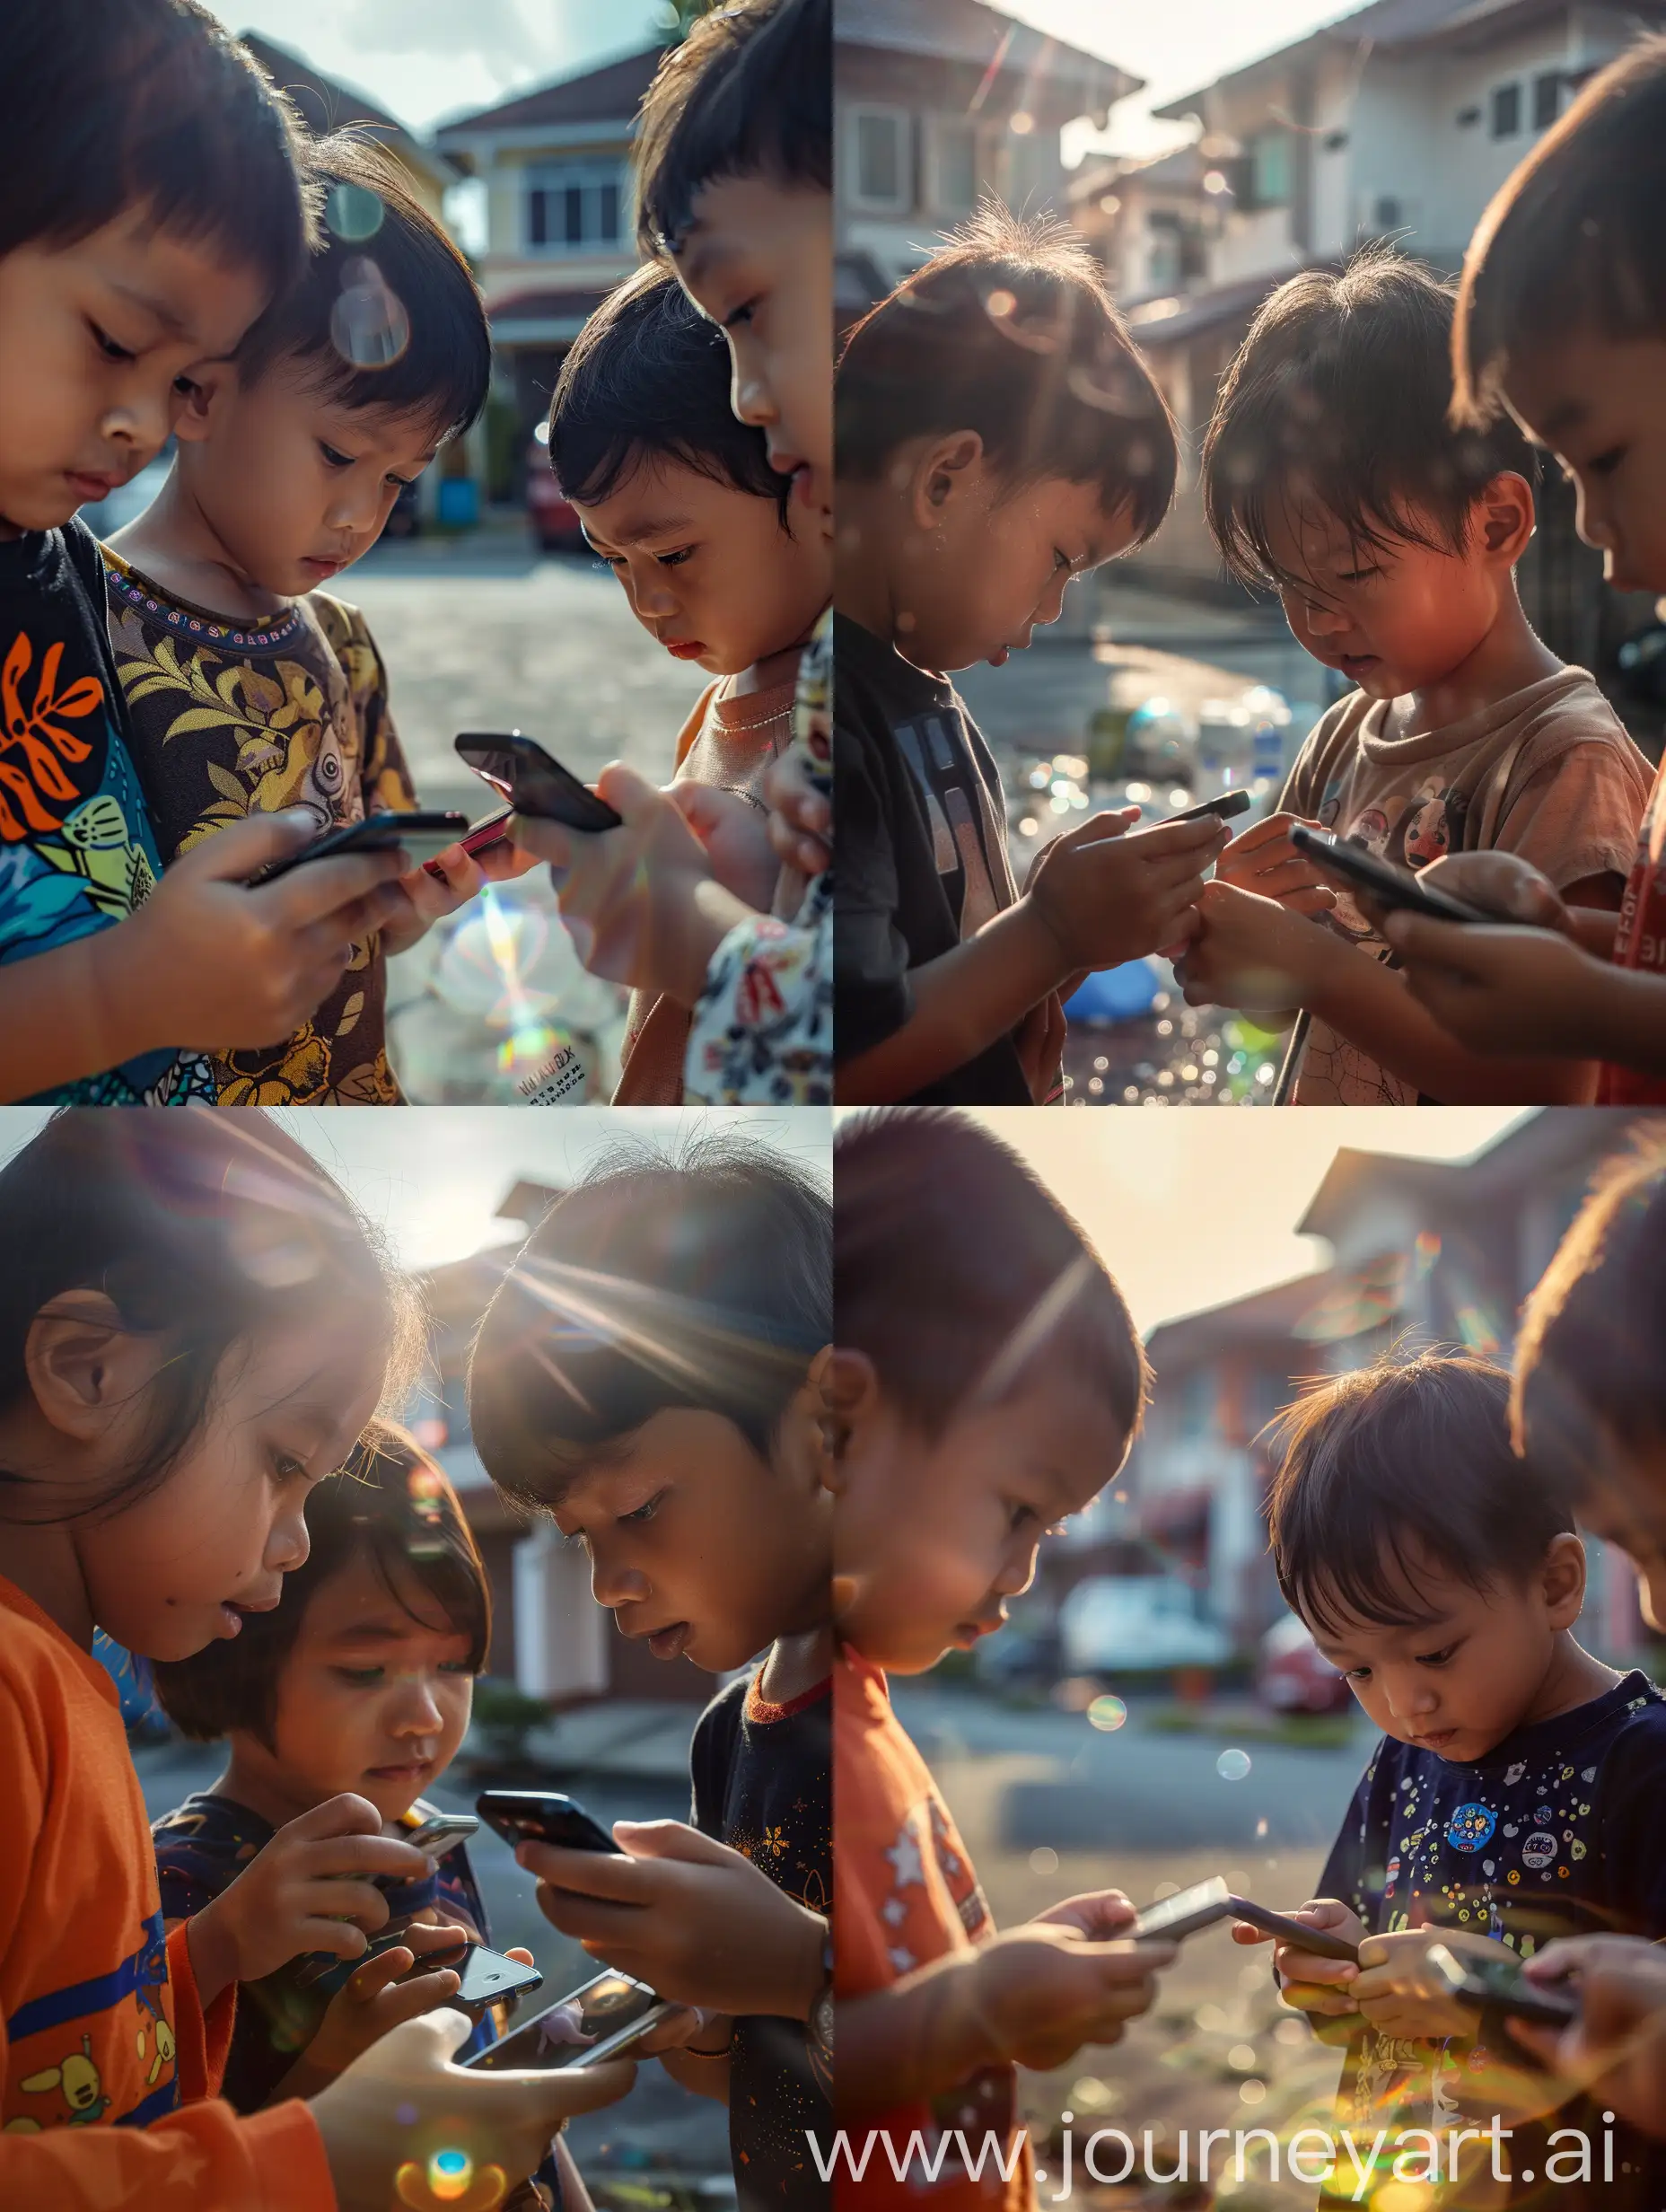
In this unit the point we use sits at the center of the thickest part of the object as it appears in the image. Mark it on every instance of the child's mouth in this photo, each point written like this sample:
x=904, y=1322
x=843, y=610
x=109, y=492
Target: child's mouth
x=686, y=648
x=999, y=657
x=670, y=1642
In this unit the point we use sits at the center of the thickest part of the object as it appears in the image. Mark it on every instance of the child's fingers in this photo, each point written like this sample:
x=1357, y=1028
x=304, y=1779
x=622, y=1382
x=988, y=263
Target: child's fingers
x=544, y=839
x=1246, y=1932
x=1306, y=1997
x=376, y=1974
x=409, y=1999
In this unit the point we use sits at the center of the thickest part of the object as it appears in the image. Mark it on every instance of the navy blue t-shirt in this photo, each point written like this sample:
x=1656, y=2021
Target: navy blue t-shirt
x=1557, y=1831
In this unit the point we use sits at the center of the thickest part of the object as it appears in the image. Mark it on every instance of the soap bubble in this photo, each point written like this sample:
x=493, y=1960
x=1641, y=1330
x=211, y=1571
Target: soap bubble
x=352, y=212
x=1107, y=1713
x=1233, y=1765
x=368, y=325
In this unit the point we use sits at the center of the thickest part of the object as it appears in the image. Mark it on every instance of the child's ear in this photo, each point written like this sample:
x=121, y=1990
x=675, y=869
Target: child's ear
x=947, y=467
x=203, y=399
x=85, y=1371
x=1563, y=1580
x=845, y=1392
x=1506, y=516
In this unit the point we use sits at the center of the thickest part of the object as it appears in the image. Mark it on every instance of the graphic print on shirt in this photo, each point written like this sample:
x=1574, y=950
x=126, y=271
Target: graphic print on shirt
x=957, y=816
x=70, y=2086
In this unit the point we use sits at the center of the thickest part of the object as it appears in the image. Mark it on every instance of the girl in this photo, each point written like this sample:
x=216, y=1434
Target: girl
x=195, y=1327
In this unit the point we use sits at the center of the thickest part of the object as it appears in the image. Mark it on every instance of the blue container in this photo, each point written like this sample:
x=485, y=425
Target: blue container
x=1116, y=994
x=460, y=503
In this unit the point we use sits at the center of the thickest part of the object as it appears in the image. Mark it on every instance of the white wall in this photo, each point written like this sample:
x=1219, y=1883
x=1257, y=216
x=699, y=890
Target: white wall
x=560, y=1630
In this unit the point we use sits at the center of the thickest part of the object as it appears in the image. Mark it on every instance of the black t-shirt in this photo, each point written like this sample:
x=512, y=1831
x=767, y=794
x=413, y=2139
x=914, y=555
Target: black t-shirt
x=1555, y=1832
x=922, y=853
x=763, y=1785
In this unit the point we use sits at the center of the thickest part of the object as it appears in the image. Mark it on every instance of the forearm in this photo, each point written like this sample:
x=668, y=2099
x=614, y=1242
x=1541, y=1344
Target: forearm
x=910, y=2042
x=706, y=2075
x=962, y=1003
x=214, y=1955
x=69, y=1014
x=1623, y=1018
x=1595, y=929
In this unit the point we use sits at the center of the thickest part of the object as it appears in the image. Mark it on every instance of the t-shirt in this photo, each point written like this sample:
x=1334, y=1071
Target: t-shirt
x=1555, y=1832
x=237, y=718
x=78, y=850
x=107, y=2057
x=726, y=743
x=907, y=1893
x=923, y=859
x=762, y=1778
x=1548, y=773
x=1640, y=941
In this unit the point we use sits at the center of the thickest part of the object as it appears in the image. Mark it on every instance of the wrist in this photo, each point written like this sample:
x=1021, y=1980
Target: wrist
x=213, y=1950
x=711, y=913
x=1043, y=942
x=807, y=1968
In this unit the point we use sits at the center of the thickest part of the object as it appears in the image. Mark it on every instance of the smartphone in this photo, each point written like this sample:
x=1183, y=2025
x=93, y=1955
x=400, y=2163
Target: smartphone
x=438, y=1835
x=1389, y=886
x=420, y=834
x=489, y=830
x=1228, y=803
x=542, y=1816
x=487, y=1975
x=1499, y=1986
x=1205, y=1902
x=533, y=781
x=597, y=2021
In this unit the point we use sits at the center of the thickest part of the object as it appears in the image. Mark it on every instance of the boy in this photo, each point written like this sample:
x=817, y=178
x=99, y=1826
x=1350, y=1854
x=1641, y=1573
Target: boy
x=1562, y=322
x=677, y=496
x=642, y=1376
x=152, y=212
x=986, y=1381
x=250, y=686
x=1519, y=1788
x=998, y=436
x=1329, y=472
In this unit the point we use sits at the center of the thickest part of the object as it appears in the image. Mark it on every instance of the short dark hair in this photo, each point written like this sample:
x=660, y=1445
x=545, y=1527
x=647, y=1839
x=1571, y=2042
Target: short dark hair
x=702, y=1281
x=1399, y=1464
x=649, y=375
x=392, y=1506
x=376, y=234
x=151, y=105
x=1342, y=388
x=1571, y=239
x=1587, y=1357
x=1010, y=331
x=959, y=1276
x=749, y=91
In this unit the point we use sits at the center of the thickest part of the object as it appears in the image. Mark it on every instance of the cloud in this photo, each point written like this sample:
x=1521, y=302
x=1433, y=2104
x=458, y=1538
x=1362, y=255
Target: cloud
x=513, y=39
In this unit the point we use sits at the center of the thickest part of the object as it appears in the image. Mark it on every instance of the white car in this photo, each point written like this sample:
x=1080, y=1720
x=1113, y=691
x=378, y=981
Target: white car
x=1137, y=1624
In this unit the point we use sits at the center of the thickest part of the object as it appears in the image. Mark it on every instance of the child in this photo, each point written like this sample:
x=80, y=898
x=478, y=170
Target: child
x=678, y=497
x=1329, y=472
x=152, y=212
x=998, y=436
x=986, y=1381
x=1559, y=322
x=196, y=1328
x=250, y=688
x=642, y=1375
x=1518, y=1791
x=734, y=186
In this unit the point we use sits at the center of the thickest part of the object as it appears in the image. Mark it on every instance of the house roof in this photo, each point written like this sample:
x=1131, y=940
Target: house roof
x=1202, y=312
x=1537, y=1146
x=1182, y=169
x=612, y=93
x=327, y=105
x=966, y=30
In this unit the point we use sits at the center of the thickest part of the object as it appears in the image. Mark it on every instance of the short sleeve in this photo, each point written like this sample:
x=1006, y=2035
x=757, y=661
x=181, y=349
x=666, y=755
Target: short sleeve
x=1343, y=1875
x=872, y=996
x=711, y=1758
x=1633, y=1815
x=1578, y=815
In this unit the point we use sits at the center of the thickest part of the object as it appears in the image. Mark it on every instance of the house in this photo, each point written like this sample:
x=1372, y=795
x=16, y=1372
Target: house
x=937, y=103
x=556, y=165
x=550, y=1635
x=326, y=106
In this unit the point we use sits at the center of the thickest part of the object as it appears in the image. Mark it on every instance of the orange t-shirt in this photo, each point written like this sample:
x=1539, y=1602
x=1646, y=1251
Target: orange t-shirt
x=106, y=2059
x=905, y=1893
x=1640, y=941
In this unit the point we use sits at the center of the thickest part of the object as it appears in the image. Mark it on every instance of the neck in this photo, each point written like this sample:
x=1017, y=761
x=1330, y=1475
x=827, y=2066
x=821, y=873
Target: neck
x=252, y=1778
x=42, y=1562
x=51, y=1486
x=1507, y=658
x=769, y=669
x=174, y=543
x=862, y=586
x=1571, y=1678
x=797, y=1664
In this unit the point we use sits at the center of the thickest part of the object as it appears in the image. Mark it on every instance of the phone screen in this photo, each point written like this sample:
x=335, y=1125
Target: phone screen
x=535, y=781
x=603, y=2015
x=542, y=1816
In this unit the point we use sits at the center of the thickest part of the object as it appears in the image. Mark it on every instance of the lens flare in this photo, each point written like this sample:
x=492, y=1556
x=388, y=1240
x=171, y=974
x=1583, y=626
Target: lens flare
x=368, y=325
x=1107, y=1713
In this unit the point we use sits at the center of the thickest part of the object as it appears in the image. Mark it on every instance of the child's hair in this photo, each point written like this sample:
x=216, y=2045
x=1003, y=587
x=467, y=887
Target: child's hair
x=701, y=1282
x=208, y=1230
x=390, y=1505
x=1588, y=1372
x=1395, y=1467
x=375, y=233
x=962, y=1278
x=1010, y=331
x=152, y=106
x=749, y=92
x=1337, y=399
x=1571, y=239
x=649, y=376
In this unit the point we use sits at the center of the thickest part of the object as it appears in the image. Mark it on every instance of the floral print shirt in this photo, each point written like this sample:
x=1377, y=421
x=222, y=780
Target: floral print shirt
x=231, y=718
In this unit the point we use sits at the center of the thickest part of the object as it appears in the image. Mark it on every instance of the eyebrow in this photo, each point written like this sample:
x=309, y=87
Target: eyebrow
x=660, y=527
x=1563, y=417
x=157, y=309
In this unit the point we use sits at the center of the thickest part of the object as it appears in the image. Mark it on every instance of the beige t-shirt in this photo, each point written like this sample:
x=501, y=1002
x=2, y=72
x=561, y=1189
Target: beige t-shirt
x=1549, y=773
x=726, y=743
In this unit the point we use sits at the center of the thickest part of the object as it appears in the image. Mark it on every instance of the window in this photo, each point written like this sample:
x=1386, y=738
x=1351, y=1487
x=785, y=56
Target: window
x=1468, y=117
x=881, y=166
x=1269, y=170
x=1386, y=213
x=1163, y=263
x=1506, y=111
x=572, y=207
x=1547, y=99
x=954, y=167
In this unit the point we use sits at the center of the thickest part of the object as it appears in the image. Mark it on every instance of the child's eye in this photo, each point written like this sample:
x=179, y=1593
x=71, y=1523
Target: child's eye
x=741, y=315
x=360, y=1677
x=1436, y=1658
x=1357, y=576
x=288, y=1469
x=1357, y=1674
x=1605, y=464
x=643, y=1513
x=1061, y=559
x=459, y=1667
x=676, y=559
x=335, y=460
x=109, y=347
x=1017, y=1515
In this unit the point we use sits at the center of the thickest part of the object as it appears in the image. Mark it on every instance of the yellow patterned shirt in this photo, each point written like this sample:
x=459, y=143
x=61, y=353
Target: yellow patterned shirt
x=235, y=718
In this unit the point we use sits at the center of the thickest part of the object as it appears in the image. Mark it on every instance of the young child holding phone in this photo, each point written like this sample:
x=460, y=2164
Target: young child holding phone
x=194, y=1328
x=645, y=1374
x=986, y=1381
x=1331, y=473
x=1517, y=1792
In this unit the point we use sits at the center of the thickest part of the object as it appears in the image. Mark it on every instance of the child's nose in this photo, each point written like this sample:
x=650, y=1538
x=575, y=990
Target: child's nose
x=418, y=1711
x=1323, y=621
x=617, y=1585
x=1589, y=519
x=750, y=400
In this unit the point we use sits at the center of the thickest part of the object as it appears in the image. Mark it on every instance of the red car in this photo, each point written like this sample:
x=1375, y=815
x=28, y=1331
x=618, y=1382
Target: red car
x=1291, y=1676
x=555, y=525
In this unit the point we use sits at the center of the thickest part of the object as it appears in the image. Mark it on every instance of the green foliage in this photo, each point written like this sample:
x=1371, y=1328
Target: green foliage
x=676, y=18
x=505, y=1718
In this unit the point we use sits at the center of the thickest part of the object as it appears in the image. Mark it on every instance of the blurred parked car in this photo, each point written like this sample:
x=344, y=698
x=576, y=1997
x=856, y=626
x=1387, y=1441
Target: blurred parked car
x=1137, y=1624
x=1291, y=1675
x=555, y=525
x=1017, y=1654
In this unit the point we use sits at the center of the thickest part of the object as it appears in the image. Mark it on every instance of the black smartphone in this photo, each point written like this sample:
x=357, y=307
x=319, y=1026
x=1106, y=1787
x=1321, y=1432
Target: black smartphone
x=439, y=1835
x=1205, y=1902
x=542, y=1816
x=489, y=830
x=1499, y=1986
x=599, y=2020
x=1389, y=886
x=421, y=834
x=487, y=1975
x=1228, y=803
x=533, y=781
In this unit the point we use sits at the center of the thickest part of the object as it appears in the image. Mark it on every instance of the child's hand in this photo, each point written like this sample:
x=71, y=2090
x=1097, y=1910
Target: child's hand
x=1616, y=2049
x=1500, y=884
x=735, y=833
x=1042, y=1992
x=1108, y=893
x=309, y=1889
x=684, y=1913
x=426, y=899
x=1263, y=860
x=1310, y=1982
x=1100, y=1914
x=1251, y=953
x=1398, y=1993
x=503, y=2120
x=801, y=817
x=376, y=1999
x=1502, y=989
x=1040, y=1042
